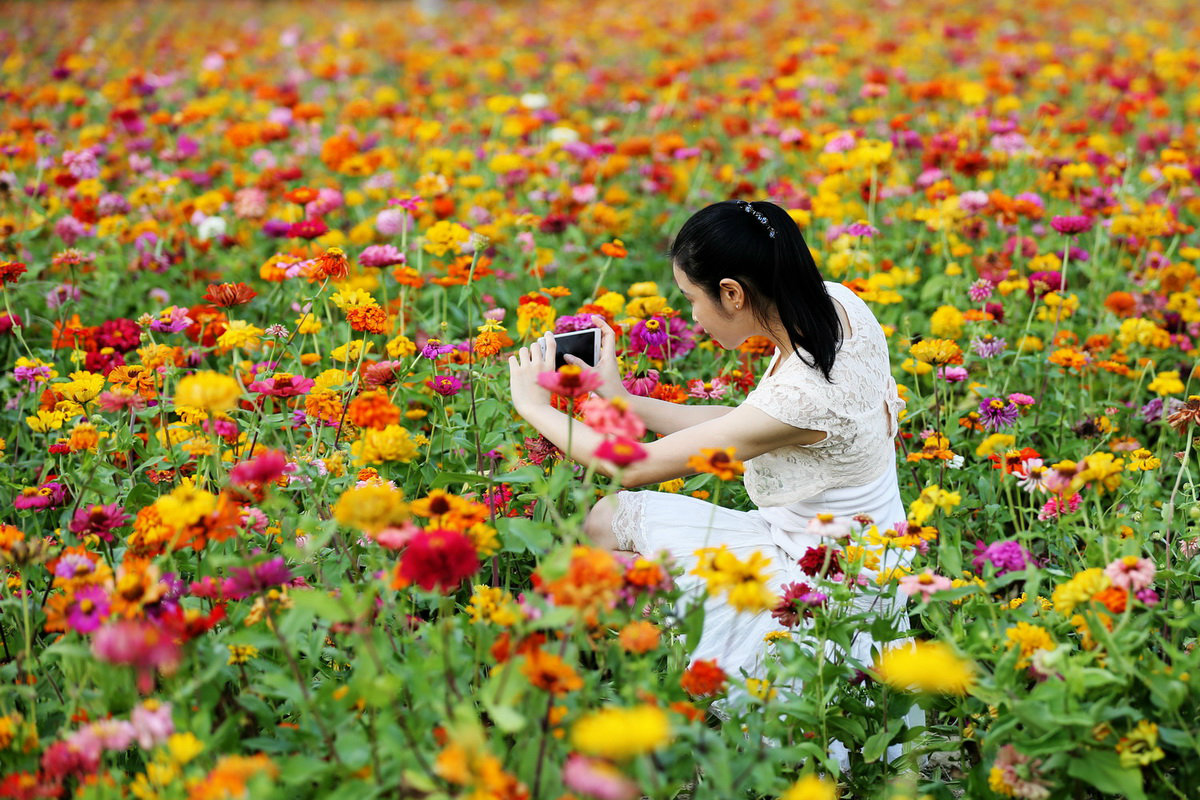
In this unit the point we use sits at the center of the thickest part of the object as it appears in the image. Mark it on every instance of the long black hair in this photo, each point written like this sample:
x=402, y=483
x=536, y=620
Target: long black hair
x=760, y=246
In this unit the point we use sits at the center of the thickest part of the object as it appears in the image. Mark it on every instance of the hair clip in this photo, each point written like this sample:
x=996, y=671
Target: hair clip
x=758, y=215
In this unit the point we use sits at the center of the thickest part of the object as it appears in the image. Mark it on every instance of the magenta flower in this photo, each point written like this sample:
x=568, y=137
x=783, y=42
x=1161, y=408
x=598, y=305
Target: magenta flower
x=861, y=229
x=996, y=413
x=407, y=203
x=648, y=333
x=641, y=383
x=1043, y=282
x=98, y=520
x=445, y=385
x=247, y=581
x=797, y=604
x=171, y=320
x=570, y=380
x=88, y=610
x=927, y=583
x=1006, y=556
x=980, y=290
x=434, y=348
x=1071, y=226
x=49, y=495
x=1054, y=508
x=308, y=228
x=138, y=643
x=261, y=470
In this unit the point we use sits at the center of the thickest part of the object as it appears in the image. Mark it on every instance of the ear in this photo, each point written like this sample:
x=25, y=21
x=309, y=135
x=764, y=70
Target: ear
x=733, y=296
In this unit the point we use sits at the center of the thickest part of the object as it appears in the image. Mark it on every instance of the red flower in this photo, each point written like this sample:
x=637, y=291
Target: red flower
x=621, y=452
x=703, y=678
x=438, y=558
x=10, y=271
x=815, y=561
x=308, y=228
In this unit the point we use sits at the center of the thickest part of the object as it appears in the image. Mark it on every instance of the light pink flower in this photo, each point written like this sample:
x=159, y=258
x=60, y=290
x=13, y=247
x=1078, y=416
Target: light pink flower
x=707, y=390
x=597, y=779
x=612, y=417
x=152, y=723
x=1131, y=573
x=926, y=583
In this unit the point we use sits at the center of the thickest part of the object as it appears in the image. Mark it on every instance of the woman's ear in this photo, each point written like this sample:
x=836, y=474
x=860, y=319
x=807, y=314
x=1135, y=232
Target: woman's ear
x=733, y=296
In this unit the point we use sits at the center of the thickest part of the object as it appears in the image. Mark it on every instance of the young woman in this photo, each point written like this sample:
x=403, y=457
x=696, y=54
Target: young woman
x=816, y=433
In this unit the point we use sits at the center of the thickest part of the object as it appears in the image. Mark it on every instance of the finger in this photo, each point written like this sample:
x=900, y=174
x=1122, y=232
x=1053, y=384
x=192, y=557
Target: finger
x=576, y=360
x=551, y=348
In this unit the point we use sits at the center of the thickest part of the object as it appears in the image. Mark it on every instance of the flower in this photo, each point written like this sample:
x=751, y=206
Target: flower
x=612, y=417
x=1140, y=747
x=88, y=610
x=1071, y=226
x=703, y=678
x=620, y=733
x=811, y=787
x=717, y=461
x=208, y=391
x=796, y=604
x=996, y=413
x=1014, y=774
x=1187, y=415
x=706, y=390
x=282, y=384
x=99, y=520
x=598, y=779
x=639, y=637
x=381, y=255
x=570, y=380
x=1131, y=573
x=620, y=451
x=1006, y=556
x=931, y=667
x=927, y=583
x=228, y=295
x=550, y=673
x=11, y=271
x=1029, y=639
x=937, y=352
x=445, y=385
x=152, y=723
x=744, y=580
x=247, y=581
x=438, y=559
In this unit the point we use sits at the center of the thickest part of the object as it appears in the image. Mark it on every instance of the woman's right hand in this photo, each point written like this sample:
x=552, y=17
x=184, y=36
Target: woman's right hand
x=610, y=373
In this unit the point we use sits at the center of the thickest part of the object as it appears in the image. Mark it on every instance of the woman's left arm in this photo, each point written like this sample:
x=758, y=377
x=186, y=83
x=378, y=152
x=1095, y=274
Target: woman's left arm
x=747, y=430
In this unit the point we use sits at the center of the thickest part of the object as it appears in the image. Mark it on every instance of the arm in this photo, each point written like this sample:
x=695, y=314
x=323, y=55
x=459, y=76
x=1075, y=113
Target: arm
x=747, y=430
x=658, y=415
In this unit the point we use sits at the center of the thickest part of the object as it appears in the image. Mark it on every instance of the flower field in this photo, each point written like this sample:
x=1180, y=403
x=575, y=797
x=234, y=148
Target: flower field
x=271, y=527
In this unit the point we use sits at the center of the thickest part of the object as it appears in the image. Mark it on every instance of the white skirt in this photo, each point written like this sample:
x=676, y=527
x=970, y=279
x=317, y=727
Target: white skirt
x=650, y=522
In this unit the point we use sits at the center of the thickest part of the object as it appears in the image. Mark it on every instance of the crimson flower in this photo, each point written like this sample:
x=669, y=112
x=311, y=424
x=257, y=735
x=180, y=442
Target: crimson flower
x=439, y=558
x=10, y=271
x=308, y=228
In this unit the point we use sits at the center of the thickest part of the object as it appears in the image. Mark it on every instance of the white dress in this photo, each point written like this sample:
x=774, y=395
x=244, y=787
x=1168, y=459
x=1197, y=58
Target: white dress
x=852, y=472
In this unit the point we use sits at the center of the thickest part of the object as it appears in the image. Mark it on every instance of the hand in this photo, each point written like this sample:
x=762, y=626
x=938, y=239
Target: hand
x=607, y=367
x=523, y=370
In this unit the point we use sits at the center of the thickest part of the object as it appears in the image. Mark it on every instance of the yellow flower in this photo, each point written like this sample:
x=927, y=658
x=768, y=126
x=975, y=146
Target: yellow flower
x=810, y=787
x=209, y=391
x=183, y=747
x=44, y=421
x=744, y=580
x=996, y=441
x=761, y=689
x=1079, y=590
x=1102, y=470
x=619, y=733
x=371, y=508
x=673, y=486
x=946, y=323
x=931, y=667
x=1166, y=383
x=239, y=333
x=1142, y=459
x=353, y=298
x=445, y=236
x=378, y=446
x=495, y=605
x=352, y=350
x=1140, y=746
x=936, y=351
x=400, y=347
x=643, y=289
x=82, y=387
x=1030, y=639
x=185, y=506
x=241, y=653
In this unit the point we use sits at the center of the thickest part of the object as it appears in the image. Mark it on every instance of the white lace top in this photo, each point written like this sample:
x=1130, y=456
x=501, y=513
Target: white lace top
x=858, y=411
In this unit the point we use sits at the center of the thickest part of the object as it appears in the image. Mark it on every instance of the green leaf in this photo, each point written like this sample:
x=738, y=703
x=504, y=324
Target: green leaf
x=877, y=744
x=321, y=605
x=535, y=537
x=1102, y=769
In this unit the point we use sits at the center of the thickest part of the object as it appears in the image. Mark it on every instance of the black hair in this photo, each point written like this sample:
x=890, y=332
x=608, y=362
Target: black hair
x=760, y=246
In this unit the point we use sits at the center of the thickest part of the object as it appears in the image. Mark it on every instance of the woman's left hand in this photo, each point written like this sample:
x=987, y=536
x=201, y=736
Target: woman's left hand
x=523, y=371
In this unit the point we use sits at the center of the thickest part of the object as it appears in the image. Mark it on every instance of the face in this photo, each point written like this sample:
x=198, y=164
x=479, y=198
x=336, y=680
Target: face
x=728, y=320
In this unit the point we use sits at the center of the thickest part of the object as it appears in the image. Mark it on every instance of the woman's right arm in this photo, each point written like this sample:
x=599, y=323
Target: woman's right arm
x=659, y=416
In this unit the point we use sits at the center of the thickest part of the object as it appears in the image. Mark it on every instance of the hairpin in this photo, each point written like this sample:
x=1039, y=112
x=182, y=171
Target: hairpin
x=758, y=215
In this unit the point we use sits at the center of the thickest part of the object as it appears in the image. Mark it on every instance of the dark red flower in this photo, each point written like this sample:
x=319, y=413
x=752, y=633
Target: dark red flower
x=120, y=334
x=814, y=560
x=10, y=271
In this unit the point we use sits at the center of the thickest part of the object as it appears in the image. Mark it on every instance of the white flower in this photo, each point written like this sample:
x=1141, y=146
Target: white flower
x=955, y=463
x=561, y=134
x=210, y=228
x=534, y=100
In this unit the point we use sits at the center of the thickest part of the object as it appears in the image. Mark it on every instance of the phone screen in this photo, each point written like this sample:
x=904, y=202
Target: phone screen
x=582, y=344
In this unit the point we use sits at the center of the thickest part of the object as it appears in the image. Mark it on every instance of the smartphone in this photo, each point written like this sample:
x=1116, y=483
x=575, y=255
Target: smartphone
x=583, y=344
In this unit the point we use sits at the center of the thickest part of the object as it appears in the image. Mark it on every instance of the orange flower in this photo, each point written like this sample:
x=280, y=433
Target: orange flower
x=301, y=195
x=332, y=265
x=550, y=673
x=703, y=678
x=445, y=510
x=1123, y=304
x=614, y=249
x=717, y=461
x=373, y=410
x=670, y=393
x=1112, y=598
x=639, y=637
x=591, y=582
x=324, y=405
x=369, y=319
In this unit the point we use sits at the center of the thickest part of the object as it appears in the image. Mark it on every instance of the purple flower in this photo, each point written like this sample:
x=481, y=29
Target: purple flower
x=81, y=164
x=434, y=348
x=88, y=610
x=1152, y=411
x=861, y=229
x=1006, y=556
x=996, y=413
x=171, y=320
x=73, y=565
x=988, y=346
x=1070, y=226
x=568, y=323
x=980, y=290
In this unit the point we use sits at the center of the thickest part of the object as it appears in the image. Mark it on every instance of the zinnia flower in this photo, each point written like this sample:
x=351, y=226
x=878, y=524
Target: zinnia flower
x=621, y=452
x=996, y=413
x=88, y=610
x=1071, y=226
x=570, y=380
x=438, y=558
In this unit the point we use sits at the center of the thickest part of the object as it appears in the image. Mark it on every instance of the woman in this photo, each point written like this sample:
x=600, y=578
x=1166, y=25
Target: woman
x=816, y=433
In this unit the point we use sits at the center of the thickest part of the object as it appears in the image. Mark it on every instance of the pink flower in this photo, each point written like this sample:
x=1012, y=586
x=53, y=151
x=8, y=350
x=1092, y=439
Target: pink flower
x=381, y=255
x=621, y=452
x=1054, y=508
x=641, y=383
x=138, y=643
x=952, y=374
x=98, y=519
x=88, y=610
x=926, y=583
x=445, y=385
x=396, y=538
x=1131, y=573
x=283, y=384
x=1019, y=399
x=612, y=417
x=152, y=723
x=706, y=390
x=265, y=468
x=570, y=380
x=597, y=779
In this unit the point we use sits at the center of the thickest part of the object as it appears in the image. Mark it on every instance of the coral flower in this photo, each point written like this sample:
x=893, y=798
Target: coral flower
x=228, y=295
x=570, y=380
x=597, y=778
x=620, y=451
x=282, y=384
x=703, y=679
x=926, y=583
x=438, y=558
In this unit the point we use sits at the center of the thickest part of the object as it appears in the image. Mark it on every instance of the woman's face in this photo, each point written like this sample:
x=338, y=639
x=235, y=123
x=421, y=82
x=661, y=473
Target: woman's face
x=728, y=320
